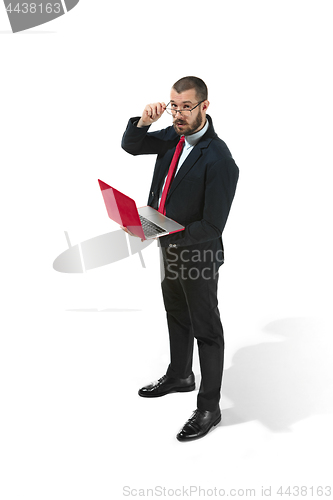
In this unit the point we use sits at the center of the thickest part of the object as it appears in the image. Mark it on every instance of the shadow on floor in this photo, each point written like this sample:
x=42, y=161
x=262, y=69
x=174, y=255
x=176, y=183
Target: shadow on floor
x=282, y=382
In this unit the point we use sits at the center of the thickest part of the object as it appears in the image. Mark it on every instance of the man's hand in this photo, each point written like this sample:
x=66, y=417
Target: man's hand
x=151, y=114
x=129, y=232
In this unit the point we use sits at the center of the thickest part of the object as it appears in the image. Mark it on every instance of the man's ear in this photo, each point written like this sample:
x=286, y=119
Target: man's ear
x=205, y=105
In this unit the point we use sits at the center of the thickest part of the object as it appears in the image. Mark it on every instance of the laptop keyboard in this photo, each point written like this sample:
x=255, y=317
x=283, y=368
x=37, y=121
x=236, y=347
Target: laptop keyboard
x=149, y=228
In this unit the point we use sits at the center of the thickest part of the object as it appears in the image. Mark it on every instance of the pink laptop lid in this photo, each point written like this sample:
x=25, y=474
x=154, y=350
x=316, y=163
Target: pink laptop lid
x=121, y=209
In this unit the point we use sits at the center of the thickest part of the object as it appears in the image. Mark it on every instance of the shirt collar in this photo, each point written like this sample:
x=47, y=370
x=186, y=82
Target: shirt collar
x=191, y=140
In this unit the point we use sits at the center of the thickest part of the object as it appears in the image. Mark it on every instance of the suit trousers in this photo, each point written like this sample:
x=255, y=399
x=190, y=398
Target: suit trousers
x=189, y=292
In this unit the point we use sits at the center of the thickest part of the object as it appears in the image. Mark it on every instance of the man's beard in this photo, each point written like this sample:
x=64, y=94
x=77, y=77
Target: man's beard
x=188, y=129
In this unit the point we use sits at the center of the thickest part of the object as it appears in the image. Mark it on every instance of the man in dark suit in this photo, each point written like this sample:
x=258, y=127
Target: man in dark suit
x=199, y=197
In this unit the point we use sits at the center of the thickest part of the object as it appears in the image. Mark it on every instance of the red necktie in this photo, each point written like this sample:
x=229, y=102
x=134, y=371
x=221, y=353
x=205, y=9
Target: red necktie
x=171, y=174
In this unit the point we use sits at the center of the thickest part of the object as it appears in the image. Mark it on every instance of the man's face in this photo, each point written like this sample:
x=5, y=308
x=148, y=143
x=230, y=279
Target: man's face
x=187, y=125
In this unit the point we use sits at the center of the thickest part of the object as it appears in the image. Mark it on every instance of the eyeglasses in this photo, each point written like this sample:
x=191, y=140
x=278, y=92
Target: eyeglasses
x=183, y=112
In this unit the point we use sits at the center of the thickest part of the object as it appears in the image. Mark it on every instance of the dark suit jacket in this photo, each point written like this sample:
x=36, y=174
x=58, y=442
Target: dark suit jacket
x=201, y=193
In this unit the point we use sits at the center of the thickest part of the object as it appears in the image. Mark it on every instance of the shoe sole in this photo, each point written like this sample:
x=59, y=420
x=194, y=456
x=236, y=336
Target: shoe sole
x=176, y=389
x=217, y=421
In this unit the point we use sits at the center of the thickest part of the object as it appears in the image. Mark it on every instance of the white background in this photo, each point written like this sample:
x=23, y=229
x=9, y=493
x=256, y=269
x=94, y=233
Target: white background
x=75, y=348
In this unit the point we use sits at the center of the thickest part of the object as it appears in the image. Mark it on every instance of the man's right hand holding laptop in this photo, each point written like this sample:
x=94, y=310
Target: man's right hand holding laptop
x=131, y=234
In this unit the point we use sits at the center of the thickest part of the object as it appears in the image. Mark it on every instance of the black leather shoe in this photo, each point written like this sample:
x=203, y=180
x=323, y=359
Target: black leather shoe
x=166, y=385
x=199, y=424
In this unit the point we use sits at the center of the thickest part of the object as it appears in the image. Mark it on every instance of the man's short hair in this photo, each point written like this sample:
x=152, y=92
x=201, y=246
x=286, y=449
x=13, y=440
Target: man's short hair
x=192, y=82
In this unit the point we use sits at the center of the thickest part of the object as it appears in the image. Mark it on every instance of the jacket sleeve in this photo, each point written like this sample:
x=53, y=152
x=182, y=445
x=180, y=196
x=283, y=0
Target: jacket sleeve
x=220, y=187
x=139, y=141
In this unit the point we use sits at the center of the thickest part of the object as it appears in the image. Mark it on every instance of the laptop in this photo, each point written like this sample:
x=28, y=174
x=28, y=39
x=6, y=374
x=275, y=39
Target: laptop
x=145, y=222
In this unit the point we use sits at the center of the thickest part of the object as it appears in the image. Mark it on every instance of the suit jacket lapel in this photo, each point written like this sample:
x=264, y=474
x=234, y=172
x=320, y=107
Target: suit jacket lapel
x=192, y=158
